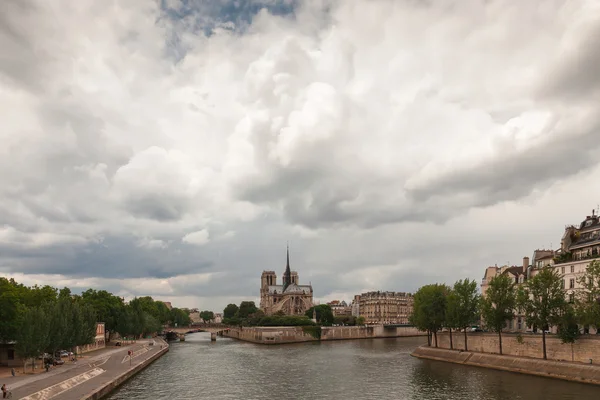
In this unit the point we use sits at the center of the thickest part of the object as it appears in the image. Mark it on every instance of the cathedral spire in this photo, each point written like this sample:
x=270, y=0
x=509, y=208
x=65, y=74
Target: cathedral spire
x=287, y=275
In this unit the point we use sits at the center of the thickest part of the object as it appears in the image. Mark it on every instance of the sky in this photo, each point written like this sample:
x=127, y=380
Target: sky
x=174, y=148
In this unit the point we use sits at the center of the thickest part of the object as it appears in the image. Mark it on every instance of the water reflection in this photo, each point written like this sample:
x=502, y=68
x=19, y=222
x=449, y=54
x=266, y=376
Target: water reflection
x=378, y=369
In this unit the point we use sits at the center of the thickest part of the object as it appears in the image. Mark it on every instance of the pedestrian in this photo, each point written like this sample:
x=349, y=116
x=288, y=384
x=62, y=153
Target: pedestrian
x=4, y=391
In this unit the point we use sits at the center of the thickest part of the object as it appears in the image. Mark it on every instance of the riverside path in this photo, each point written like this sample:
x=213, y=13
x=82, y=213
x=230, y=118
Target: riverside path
x=78, y=380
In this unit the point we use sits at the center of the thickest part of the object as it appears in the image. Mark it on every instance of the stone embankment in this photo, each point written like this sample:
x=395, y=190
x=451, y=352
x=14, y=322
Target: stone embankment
x=570, y=371
x=297, y=334
x=108, y=387
x=527, y=345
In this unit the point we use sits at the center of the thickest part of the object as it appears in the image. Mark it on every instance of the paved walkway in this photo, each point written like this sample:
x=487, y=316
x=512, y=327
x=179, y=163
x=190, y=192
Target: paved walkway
x=70, y=382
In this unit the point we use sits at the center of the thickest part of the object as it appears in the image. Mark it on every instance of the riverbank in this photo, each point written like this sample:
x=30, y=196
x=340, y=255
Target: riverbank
x=298, y=334
x=569, y=371
x=91, y=379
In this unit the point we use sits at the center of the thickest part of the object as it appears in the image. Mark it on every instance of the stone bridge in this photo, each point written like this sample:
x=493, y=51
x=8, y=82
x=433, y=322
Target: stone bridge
x=214, y=329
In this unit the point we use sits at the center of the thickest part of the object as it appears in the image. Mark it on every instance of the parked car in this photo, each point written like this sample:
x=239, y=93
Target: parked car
x=118, y=344
x=44, y=356
x=63, y=353
x=58, y=361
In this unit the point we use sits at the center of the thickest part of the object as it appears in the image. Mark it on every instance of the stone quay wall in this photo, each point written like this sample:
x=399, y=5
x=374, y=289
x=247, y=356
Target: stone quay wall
x=295, y=334
x=106, y=389
x=527, y=345
x=570, y=371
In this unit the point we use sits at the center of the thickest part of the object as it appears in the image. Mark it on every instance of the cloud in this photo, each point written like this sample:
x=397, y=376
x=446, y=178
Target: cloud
x=198, y=238
x=387, y=156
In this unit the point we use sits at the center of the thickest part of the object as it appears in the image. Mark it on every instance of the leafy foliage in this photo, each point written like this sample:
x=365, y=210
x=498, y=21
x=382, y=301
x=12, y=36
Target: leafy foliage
x=230, y=311
x=429, y=308
x=499, y=304
x=324, y=314
x=207, y=316
x=462, y=308
x=543, y=301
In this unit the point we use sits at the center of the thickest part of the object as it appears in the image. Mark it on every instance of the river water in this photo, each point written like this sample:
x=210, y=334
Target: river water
x=353, y=369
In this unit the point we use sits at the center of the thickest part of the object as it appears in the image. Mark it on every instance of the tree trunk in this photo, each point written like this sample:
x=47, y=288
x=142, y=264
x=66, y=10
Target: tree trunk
x=428, y=338
x=500, y=341
x=435, y=337
x=466, y=349
x=544, y=343
x=572, y=354
x=451, y=344
x=33, y=364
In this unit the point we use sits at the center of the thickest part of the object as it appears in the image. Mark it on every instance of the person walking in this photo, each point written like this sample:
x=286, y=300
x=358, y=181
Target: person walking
x=4, y=391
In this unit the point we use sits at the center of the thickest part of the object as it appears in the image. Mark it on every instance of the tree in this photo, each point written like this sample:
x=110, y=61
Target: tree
x=452, y=310
x=463, y=304
x=429, y=309
x=246, y=308
x=360, y=320
x=543, y=301
x=230, y=311
x=180, y=317
x=587, y=304
x=108, y=307
x=498, y=305
x=568, y=330
x=32, y=337
x=11, y=309
x=207, y=316
x=324, y=314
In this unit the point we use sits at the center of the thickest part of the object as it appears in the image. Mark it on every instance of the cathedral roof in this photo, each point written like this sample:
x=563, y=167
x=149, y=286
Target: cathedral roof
x=293, y=288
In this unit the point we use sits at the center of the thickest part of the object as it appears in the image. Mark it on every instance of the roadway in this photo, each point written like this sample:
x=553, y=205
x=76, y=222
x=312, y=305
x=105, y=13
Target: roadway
x=74, y=381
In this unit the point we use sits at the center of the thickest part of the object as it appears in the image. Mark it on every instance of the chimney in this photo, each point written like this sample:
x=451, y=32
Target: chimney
x=525, y=263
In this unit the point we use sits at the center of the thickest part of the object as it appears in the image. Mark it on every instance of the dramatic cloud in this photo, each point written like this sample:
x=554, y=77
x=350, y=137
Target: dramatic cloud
x=172, y=148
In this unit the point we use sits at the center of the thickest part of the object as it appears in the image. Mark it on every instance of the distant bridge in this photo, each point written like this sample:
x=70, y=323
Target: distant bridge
x=180, y=332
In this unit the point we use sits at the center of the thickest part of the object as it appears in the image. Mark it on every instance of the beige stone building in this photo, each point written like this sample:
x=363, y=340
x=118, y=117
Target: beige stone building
x=385, y=307
x=290, y=297
x=579, y=246
x=340, y=308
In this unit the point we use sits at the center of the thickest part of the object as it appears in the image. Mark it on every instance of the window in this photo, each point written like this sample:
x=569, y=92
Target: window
x=572, y=268
x=571, y=283
x=571, y=298
x=562, y=270
x=562, y=284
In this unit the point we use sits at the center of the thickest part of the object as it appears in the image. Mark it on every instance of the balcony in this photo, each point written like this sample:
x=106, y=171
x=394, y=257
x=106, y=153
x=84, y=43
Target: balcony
x=568, y=257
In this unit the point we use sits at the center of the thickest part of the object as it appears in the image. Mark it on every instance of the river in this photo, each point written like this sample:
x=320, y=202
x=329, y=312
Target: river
x=353, y=369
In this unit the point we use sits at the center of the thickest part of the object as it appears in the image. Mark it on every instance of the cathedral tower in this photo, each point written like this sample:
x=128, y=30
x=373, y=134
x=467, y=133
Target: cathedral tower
x=287, y=275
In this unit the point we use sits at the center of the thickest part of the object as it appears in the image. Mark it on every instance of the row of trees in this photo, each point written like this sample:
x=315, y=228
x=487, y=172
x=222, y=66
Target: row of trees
x=437, y=306
x=43, y=318
x=540, y=300
x=247, y=314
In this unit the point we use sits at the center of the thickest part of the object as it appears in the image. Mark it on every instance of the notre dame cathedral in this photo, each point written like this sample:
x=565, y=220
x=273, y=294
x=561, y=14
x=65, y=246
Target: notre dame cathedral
x=290, y=297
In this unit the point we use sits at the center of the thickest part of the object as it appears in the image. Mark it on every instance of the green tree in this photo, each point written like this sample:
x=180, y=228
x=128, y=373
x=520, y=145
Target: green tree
x=324, y=314
x=246, y=309
x=108, y=307
x=360, y=320
x=568, y=330
x=207, y=316
x=543, y=301
x=180, y=317
x=11, y=309
x=429, y=309
x=163, y=313
x=230, y=311
x=463, y=305
x=452, y=309
x=32, y=337
x=57, y=320
x=587, y=305
x=499, y=304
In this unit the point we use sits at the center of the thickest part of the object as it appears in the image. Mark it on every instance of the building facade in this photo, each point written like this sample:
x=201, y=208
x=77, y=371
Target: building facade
x=340, y=308
x=580, y=245
x=385, y=307
x=290, y=297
